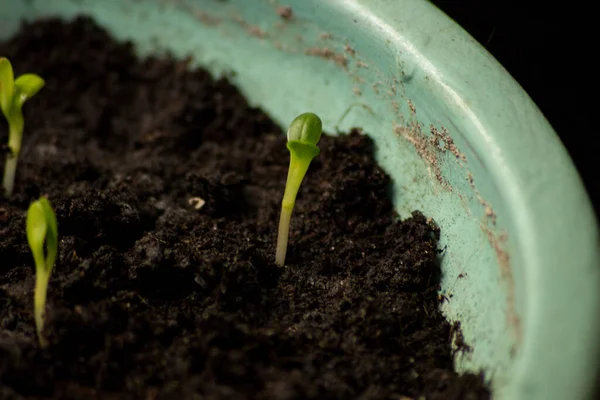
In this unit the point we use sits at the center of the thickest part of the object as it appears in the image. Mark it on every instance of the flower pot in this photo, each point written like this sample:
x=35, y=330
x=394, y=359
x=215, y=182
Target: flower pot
x=461, y=140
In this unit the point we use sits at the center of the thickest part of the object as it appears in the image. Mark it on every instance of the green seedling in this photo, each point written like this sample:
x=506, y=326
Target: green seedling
x=42, y=229
x=13, y=94
x=302, y=138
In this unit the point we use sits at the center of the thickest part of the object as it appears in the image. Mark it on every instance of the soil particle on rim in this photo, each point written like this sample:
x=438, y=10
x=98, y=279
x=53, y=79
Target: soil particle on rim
x=285, y=12
x=328, y=54
x=154, y=299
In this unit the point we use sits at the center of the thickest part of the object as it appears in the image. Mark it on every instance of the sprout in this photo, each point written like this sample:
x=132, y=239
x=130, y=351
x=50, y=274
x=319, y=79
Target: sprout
x=303, y=135
x=42, y=227
x=13, y=93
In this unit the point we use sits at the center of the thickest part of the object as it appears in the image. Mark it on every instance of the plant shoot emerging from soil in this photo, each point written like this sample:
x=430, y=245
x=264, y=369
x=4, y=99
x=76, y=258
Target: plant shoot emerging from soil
x=42, y=228
x=302, y=138
x=13, y=94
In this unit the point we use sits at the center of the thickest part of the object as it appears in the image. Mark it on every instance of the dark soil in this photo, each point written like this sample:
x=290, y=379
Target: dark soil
x=153, y=299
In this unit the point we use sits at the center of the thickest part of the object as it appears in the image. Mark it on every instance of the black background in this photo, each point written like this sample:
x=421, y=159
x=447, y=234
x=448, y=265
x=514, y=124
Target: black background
x=550, y=50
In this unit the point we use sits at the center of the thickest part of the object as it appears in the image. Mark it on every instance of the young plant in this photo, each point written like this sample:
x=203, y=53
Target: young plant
x=13, y=94
x=42, y=228
x=303, y=135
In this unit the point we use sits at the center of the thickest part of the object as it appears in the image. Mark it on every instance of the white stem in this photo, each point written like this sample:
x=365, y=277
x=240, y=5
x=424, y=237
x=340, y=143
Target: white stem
x=41, y=289
x=282, y=236
x=10, y=170
x=15, y=134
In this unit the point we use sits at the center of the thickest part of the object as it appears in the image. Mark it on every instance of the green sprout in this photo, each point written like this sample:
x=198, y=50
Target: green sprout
x=42, y=227
x=303, y=135
x=13, y=94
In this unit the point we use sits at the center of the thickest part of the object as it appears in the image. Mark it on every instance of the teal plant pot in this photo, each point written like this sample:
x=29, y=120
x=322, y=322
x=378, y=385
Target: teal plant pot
x=462, y=141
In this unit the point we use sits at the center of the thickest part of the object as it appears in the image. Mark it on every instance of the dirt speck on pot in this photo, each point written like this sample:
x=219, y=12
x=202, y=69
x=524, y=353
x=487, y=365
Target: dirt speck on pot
x=155, y=297
x=285, y=12
x=328, y=54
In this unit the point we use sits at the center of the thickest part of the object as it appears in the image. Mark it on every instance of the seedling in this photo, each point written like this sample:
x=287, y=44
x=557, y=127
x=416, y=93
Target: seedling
x=303, y=135
x=42, y=227
x=13, y=94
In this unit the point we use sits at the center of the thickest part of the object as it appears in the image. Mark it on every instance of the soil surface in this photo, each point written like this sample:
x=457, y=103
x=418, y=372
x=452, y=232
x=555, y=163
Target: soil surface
x=152, y=298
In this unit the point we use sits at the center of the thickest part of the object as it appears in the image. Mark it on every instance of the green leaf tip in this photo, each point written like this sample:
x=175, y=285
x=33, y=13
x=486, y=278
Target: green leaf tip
x=27, y=86
x=41, y=226
x=14, y=92
x=7, y=83
x=305, y=128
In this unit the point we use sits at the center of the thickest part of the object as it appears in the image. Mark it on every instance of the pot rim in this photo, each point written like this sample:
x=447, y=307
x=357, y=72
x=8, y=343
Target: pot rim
x=558, y=239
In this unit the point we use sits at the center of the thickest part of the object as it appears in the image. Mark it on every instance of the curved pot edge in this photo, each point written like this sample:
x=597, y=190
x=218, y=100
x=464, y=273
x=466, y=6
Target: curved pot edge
x=557, y=225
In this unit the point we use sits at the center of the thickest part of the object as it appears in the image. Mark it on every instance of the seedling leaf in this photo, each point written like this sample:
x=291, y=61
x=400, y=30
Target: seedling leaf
x=6, y=85
x=306, y=128
x=37, y=226
x=27, y=86
x=42, y=226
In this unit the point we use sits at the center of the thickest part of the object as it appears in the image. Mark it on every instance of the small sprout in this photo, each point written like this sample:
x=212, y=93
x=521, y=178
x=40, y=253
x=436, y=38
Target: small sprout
x=303, y=135
x=42, y=227
x=13, y=94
